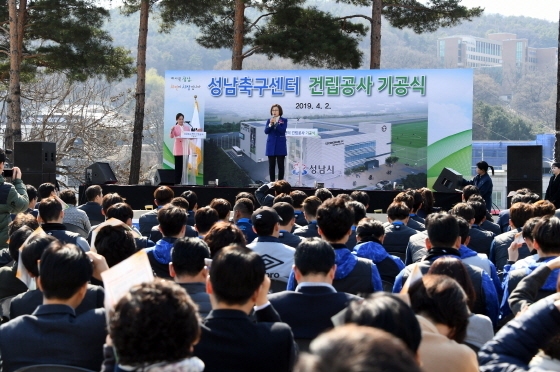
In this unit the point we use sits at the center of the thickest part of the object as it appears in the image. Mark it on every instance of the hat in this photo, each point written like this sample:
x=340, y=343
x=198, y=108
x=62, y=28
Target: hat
x=265, y=216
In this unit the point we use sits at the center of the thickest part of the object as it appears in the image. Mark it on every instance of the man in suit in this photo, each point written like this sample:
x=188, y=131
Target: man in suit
x=53, y=334
x=553, y=189
x=162, y=196
x=230, y=341
x=397, y=233
x=94, y=195
x=310, y=206
x=51, y=216
x=308, y=309
x=288, y=220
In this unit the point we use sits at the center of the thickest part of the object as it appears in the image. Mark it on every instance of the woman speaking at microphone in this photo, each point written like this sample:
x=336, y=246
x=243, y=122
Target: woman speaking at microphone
x=276, y=142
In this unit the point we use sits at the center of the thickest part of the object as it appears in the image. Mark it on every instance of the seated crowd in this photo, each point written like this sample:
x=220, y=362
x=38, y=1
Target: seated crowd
x=282, y=281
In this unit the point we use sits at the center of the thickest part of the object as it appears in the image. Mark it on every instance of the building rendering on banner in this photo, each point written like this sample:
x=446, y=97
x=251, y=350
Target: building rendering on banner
x=337, y=148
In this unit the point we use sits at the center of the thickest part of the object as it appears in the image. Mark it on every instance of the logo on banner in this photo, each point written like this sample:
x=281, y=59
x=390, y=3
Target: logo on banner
x=299, y=168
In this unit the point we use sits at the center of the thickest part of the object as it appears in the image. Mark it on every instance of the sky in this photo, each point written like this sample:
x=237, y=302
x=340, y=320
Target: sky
x=542, y=9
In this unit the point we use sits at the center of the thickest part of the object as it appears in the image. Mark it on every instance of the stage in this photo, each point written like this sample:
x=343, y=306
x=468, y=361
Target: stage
x=138, y=196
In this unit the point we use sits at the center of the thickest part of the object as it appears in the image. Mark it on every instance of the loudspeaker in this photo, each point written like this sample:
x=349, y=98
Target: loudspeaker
x=36, y=179
x=164, y=177
x=99, y=174
x=38, y=157
x=524, y=163
x=449, y=180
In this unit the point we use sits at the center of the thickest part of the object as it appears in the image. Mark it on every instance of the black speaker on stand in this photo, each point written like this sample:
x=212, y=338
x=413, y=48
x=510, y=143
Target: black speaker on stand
x=164, y=177
x=37, y=161
x=524, y=169
x=100, y=174
x=449, y=180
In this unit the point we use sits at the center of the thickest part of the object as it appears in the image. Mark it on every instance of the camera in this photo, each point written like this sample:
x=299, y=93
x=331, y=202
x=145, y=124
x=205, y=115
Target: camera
x=8, y=172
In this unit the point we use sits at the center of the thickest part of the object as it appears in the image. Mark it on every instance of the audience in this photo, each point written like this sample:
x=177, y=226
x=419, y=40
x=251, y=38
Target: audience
x=165, y=347
x=242, y=211
x=188, y=269
x=94, y=195
x=54, y=334
x=51, y=216
x=192, y=198
x=397, y=233
x=73, y=216
x=204, y=219
x=308, y=309
x=162, y=196
x=223, y=207
x=230, y=340
x=10, y=285
x=310, y=206
x=278, y=187
x=287, y=223
x=298, y=197
x=354, y=348
x=223, y=234
x=172, y=224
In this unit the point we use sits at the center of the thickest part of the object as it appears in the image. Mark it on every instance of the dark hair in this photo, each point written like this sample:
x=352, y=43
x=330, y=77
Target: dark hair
x=398, y=211
x=546, y=234
x=171, y=219
x=417, y=198
x=464, y=229
x=428, y=200
x=314, y=256
x=115, y=243
x=323, y=194
x=64, y=270
x=68, y=196
x=109, y=200
x=527, y=231
x=179, y=115
x=154, y=322
x=482, y=165
x=50, y=209
x=469, y=191
x=360, y=196
x=359, y=210
x=335, y=219
x=16, y=241
x=93, y=192
x=441, y=299
x=121, y=211
x=543, y=208
x=223, y=234
x=244, y=206
x=519, y=213
x=479, y=210
x=205, y=218
x=45, y=190
x=222, y=206
x=163, y=195
x=188, y=256
x=310, y=206
x=353, y=348
x=33, y=250
x=180, y=202
x=285, y=211
x=246, y=195
x=370, y=230
x=236, y=273
x=283, y=198
x=406, y=198
x=344, y=197
x=22, y=219
x=298, y=197
x=191, y=197
x=463, y=210
x=281, y=112
x=31, y=192
x=454, y=268
x=389, y=313
x=443, y=229
x=282, y=187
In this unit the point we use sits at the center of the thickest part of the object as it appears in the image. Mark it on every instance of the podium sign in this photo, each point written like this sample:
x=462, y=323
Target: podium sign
x=304, y=132
x=193, y=135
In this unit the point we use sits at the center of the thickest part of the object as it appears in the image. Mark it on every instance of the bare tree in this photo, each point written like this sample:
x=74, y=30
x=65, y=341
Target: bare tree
x=85, y=120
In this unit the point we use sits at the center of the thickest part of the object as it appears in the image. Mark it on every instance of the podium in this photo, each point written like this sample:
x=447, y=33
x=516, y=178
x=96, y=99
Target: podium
x=299, y=135
x=190, y=157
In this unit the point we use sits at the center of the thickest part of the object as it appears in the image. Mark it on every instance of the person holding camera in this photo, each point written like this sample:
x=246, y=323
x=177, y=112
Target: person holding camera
x=13, y=198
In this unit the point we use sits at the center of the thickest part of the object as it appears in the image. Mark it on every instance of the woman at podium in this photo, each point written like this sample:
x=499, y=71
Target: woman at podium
x=276, y=142
x=176, y=132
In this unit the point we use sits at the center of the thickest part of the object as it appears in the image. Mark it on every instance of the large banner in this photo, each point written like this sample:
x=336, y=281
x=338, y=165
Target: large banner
x=350, y=129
